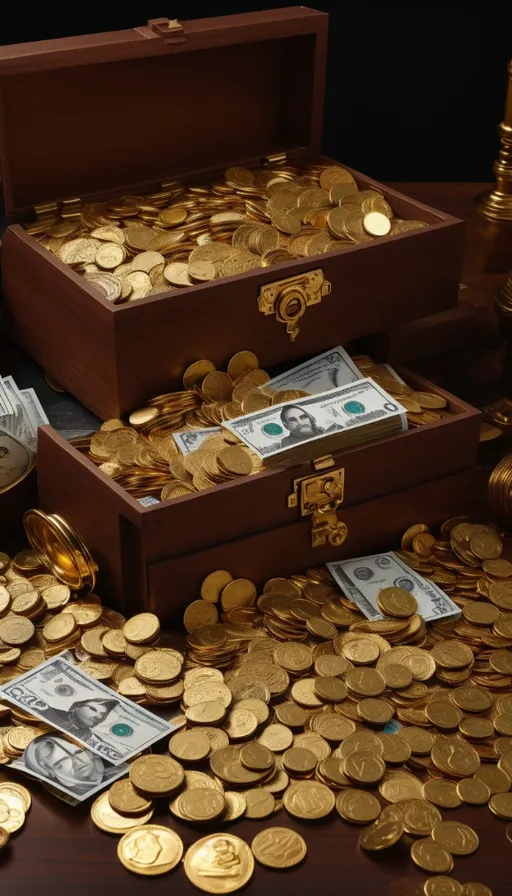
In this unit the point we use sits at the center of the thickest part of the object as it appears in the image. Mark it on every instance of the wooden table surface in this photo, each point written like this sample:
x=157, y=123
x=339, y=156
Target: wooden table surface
x=60, y=852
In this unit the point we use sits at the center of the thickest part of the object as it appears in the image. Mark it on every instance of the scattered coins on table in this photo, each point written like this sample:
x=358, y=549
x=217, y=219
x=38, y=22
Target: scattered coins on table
x=137, y=246
x=142, y=456
x=289, y=698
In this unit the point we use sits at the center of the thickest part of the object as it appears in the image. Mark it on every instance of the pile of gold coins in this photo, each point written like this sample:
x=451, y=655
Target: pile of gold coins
x=290, y=698
x=500, y=489
x=137, y=246
x=143, y=457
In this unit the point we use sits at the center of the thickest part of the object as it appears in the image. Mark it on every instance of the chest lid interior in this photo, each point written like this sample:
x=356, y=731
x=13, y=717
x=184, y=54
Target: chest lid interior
x=107, y=112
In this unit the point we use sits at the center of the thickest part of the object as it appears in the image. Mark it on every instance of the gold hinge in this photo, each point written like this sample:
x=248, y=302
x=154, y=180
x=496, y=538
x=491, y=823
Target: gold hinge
x=320, y=496
x=289, y=298
x=275, y=158
x=168, y=29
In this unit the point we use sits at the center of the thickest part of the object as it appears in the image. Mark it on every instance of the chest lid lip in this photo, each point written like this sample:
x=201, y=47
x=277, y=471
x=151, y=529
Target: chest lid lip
x=101, y=112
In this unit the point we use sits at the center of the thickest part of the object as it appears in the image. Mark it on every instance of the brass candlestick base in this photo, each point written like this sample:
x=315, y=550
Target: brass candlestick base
x=500, y=412
x=496, y=206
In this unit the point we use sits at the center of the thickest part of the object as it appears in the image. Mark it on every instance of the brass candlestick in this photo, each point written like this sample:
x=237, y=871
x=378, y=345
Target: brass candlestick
x=496, y=207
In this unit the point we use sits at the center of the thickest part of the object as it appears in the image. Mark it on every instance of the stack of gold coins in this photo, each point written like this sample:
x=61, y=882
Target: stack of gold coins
x=15, y=802
x=144, y=458
x=135, y=246
x=500, y=489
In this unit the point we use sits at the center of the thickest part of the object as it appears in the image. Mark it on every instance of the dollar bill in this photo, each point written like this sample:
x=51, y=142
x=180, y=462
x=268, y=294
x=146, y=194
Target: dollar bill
x=34, y=409
x=328, y=371
x=22, y=427
x=191, y=439
x=15, y=459
x=93, y=715
x=6, y=408
x=362, y=579
x=332, y=420
x=66, y=767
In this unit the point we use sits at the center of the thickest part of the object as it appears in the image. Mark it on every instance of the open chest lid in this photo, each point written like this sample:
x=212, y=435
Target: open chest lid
x=109, y=112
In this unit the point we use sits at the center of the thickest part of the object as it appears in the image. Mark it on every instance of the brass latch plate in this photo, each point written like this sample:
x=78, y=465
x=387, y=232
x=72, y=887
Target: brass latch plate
x=289, y=298
x=320, y=496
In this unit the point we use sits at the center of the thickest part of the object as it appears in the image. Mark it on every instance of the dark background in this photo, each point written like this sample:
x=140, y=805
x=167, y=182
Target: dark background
x=414, y=90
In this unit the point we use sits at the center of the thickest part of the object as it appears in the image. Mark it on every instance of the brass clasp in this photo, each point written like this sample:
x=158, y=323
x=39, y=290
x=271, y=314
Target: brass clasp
x=320, y=496
x=171, y=30
x=289, y=298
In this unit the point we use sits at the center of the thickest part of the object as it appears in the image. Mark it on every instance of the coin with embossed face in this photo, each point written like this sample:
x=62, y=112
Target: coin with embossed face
x=309, y=800
x=150, y=849
x=219, y=863
x=457, y=838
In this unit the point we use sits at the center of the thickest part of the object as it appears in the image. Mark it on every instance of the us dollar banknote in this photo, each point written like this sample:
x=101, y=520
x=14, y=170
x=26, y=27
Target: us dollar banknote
x=361, y=580
x=190, y=440
x=307, y=427
x=93, y=715
x=323, y=372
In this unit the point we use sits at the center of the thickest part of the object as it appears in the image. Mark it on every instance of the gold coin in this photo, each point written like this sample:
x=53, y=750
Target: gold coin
x=278, y=848
x=500, y=568
x=213, y=585
x=156, y=775
x=457, y=838
x=442, y=886
x=150, y=849
x=309, y=800
x=240, y=724
x=500, y=804
x=332, y=665
x=293, y=657
x=365, y=682
x=124, y=799
x=364, y=768
x=4, y=837
x=358, y=806
x=476, y=728
x=12, y=811
x=290, y=714
x=257, y=757
x=235, y=805
x=276, y=737
x=56, y=596
x=225, y=764
x=444, y=714
x=219, y=863
x=361, y=652
x=189, y=746
x=473, y=792
x=59, y=628
x=200, y=692
x=420, y=740
x=19, y=791
x=397, y=676
x=200, y=804
x=107, y=819
x=430, y=856
x=472, y=699
x=200, y=613
x=399, y=785
x=141, y=628
x=299, y=761
x=209, y=712
x=395, y=750
x=330, y=688
x=15, y=630
x=303, y=692
x=475, y=888
x=260, y=803
x=380, y=835
x=238, y=593
x=396, y=601
x=376, y=224
x=375, y=711
x=194, y=376
x=258, y=708
x=454, y=757
x=241, y=363
x=496, y=779
x=419, y=817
